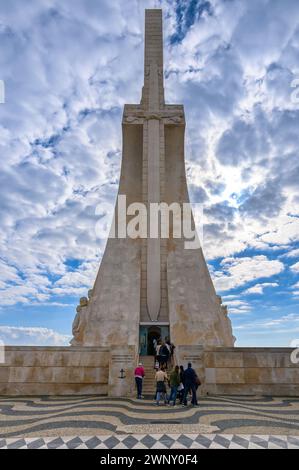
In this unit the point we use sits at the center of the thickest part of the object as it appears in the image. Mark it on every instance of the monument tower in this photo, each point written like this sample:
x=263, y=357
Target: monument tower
x=152, y=287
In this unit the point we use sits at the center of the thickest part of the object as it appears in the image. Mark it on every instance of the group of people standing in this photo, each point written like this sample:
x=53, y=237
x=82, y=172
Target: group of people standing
x=181, y=382
x=164, y=351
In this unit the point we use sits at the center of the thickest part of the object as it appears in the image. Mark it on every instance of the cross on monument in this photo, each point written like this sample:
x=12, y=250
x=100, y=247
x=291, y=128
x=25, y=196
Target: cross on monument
x=153, y=114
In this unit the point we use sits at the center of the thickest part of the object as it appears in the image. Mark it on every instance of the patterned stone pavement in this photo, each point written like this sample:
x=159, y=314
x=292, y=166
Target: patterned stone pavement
x=101, y=422
x=155, y=441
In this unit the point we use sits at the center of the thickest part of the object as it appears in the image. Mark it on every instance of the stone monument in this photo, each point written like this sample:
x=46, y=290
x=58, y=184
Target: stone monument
x=148, y=288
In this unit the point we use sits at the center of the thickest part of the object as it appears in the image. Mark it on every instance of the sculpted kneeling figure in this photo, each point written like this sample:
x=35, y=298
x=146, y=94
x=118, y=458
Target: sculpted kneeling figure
x=79, y=321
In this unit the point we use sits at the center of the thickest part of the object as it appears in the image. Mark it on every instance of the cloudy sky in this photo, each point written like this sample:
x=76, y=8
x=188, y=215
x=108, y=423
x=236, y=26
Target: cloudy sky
x=69, y=66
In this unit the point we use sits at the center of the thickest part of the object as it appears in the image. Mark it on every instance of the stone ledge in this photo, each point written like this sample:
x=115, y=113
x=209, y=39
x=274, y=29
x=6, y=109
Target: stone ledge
x=277, y=390
x=57, y=375
x=249, y=349
x=37, y=389
x=58, y=348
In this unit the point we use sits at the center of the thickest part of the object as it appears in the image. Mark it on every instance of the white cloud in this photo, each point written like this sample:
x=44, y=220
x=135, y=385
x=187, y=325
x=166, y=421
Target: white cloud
x=238, y=306
x=84, y=277
x=292, y=254
x=32, y=336
x=259, y=288
x=286, y=232
x=295, y=267
x=226, y=298
x=287, y=321
x=50, y=304
x=11, y=295
x=239, y=271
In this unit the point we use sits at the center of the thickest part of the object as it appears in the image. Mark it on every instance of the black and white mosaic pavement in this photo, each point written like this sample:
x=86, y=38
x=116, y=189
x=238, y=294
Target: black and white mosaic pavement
x=222, y=421
x=156, y=441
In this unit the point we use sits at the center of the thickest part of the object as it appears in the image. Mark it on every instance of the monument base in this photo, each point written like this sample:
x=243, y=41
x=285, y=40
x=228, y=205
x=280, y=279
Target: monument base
x=110, y=371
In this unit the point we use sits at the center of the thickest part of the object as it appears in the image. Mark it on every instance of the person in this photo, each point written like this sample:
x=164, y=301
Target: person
x=164, y=355
x=171, y=348
x=139, y=375
x=174, y=382
x=158, y=357
x=161, y=378
x=190, y=382
x=168, y=346
x=181, y=388
x=157, y=346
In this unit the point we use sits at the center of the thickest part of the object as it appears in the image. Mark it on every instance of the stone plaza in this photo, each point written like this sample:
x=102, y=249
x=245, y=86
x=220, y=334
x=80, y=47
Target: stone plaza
x=88, y=422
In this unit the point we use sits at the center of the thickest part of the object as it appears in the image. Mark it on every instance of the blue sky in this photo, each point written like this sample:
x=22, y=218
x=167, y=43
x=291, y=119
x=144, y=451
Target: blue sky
x=68, y=68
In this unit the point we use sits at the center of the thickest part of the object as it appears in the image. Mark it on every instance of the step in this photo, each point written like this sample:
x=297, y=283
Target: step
x=149, y=382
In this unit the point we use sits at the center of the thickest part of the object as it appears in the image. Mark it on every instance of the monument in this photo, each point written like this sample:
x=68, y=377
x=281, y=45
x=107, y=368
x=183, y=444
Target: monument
x=149, y=287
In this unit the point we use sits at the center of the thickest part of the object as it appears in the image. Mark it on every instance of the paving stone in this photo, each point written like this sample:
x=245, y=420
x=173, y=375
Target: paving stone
x=222, y=441
x=130, y=442
x=36, y=444
x=279, y=442
x=259, y=441
x=204, y=441
x=2, y=443
x=166, y=440
x=17, y=444
x=74, y=443
x=240, y=441
x=55, y=443
x=185, y=440
x=148, y=441
x=93, y=443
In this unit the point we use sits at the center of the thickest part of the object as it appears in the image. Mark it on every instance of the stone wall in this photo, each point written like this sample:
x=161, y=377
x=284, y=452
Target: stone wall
x=250, y=371
x=54, y=371
x=96, y=370
x=121, y=371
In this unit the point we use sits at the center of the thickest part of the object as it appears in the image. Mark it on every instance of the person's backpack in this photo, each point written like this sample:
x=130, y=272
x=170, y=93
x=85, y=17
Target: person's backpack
x=197, y=381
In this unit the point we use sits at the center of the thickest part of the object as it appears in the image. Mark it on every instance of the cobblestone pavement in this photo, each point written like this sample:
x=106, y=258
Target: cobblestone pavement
x=222, y=421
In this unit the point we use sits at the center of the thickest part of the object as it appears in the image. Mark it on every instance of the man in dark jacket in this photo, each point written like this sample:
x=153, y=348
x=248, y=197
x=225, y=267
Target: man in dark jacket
x=190, y=383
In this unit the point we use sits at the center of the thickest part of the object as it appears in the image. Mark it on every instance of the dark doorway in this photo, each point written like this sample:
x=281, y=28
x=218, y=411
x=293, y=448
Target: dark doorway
x=147, y=334
x=154, y=333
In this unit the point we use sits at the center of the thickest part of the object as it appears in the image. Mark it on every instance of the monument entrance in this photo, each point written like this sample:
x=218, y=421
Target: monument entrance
x=148, y=334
